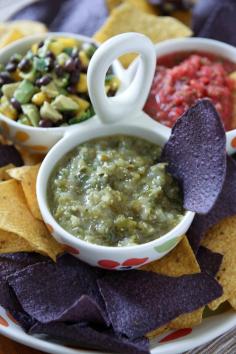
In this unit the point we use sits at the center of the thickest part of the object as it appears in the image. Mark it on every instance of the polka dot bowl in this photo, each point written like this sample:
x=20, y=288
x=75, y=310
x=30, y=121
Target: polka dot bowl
x=36, y=139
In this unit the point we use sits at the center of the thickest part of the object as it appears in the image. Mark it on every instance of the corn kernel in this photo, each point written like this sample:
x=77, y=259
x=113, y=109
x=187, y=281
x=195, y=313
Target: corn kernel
x=82, y=84
x=34, y=48
x=60, y=44
x=39, y=98
x=7, y=109
x=68, y=42
x=84, y=59
x=114, y=84
x=16, y=75
x=83, y=104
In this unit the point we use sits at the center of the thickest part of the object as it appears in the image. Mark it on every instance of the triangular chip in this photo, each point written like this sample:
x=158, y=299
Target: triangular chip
x=141, y=5
x=232, y=302
x=11, y=243
x=4, y=176
x=127, y=18
x=27, y=175
x=16, y=218
x=179, y=261
x=222, y=239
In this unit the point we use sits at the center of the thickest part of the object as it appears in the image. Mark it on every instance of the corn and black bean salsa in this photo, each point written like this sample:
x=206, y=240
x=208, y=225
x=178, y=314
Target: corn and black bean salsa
x=47, y=87
x=114, y=191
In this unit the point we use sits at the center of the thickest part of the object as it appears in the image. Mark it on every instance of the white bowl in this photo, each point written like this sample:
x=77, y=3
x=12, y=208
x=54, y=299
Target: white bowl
x=200, y=45
x=39, y=139
x=117, y=115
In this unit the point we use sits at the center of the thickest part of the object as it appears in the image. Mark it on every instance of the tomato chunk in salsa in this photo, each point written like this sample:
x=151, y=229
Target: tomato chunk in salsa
x=183, y=78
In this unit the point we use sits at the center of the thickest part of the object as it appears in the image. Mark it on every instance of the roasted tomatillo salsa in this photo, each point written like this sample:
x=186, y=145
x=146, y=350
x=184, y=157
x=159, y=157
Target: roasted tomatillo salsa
x=113, y=191
x=183, y=78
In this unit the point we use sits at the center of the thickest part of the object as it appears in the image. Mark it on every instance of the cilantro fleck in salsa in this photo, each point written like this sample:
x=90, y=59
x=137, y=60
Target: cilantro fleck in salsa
x=183, y=78
x=113, y=191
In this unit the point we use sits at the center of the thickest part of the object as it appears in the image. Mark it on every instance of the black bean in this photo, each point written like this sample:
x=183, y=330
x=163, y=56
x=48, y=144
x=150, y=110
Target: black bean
x=75, y=53
x=83, y=69
x=77, y=63
x=70, y=66
x=71, y=89
x=24, y=65
x=74, y=77
x=50, y=64
x=16, y=104
x=45, y=123
x=50, y=55
x=15, y=58
x=5, y=78
x=41, y=44
x=111, y=93
x=59, y=70
x=68, y=115
x=11, y=67
x=43, y=81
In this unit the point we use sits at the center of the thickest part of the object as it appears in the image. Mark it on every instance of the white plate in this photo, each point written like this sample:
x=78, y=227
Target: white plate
x=210, y=328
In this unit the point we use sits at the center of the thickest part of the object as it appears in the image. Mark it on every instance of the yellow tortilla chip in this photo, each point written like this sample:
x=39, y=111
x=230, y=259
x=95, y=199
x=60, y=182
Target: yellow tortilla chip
x=222, y=239
x=178, y=262
x=141, y=5
x=183, y=16
x=4, y=176
x=127, y=18
x=27, y=175
x=10, y=36
x=232, y=302
x=13, y=30
x=10, y=243
x=29, y=158
x=16, y=218
x=157, y=332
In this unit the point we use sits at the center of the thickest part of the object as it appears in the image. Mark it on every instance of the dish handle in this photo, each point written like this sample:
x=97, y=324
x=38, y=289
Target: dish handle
x=130, y=102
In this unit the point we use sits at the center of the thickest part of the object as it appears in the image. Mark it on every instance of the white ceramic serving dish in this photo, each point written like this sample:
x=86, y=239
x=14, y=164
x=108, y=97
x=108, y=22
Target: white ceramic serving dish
x=38, y=139
x=187, y=339
x=209, y=329
x=116, y=115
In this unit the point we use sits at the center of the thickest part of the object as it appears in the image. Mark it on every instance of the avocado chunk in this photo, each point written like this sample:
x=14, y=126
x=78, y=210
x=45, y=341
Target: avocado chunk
x=64, y=103
x=32, y=113
x=9, y=89
x=24, y=120
x=30, y=76
x=48, y=112
x=51, y=90
x=24, y=92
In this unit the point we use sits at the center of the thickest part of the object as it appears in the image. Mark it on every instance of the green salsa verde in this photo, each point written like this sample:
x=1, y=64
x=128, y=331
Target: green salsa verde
x=112, y=191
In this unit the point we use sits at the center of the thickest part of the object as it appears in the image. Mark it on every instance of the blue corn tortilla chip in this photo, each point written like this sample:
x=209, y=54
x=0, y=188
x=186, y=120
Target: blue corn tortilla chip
x=225, y=206
x=84, y=308
x=219, y=23
x=209, y=261
x=87, y=337
x=13, y=262
x=83, y=16
x=10, y=264
x=196, y=156
x=49, y=292
x=9, y=154
x=139, y=302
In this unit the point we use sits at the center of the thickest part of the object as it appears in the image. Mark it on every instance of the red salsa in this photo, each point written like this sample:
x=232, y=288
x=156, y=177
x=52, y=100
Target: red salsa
x=183, y=78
